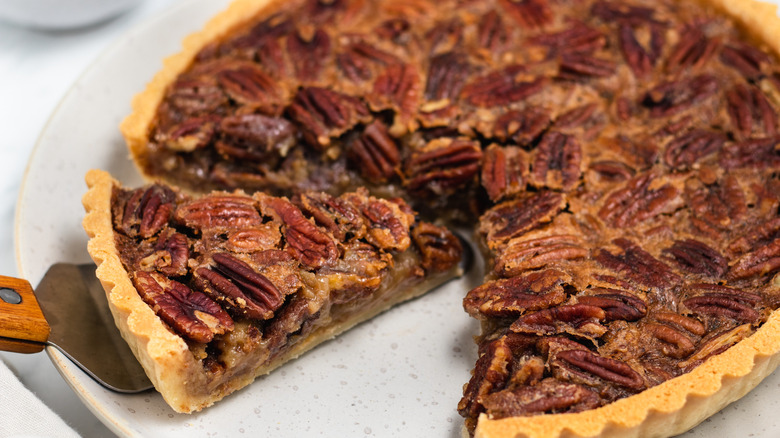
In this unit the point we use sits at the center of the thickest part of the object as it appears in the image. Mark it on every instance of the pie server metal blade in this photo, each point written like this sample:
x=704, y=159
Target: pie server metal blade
x=69, y=311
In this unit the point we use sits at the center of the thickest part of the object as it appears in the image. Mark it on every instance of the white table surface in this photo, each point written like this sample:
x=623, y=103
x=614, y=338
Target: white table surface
x=36, y=70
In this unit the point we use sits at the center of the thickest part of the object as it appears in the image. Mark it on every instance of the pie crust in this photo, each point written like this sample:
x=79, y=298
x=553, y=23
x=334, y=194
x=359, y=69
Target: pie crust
x=180, y=376
x=666, y=409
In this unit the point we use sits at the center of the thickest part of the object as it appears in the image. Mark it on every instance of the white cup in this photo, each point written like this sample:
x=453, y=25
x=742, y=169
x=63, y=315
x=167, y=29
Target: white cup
x=61, y=14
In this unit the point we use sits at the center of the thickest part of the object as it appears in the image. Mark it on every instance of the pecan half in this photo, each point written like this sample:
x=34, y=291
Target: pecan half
x=578, y=66
x=504, y=171
x=338, y=216
x=323, y=114
x=756, y=237
x=357, y=274
x=577, y=320
x=309, y=48
x=190, y=313
x=582, y=366
x=512, y=218
x=526, y=253
x=615, y=11
x=312, y=247
x=687, y=149
x=250, y=240
x=360, y=61
x=275, y=26
x=750, y=112
x=191, y=134
x=675, y=344
x=387, y=222
x=530, y=14
x=397, y=88
x=617, y=305
x=447, y=74
x=249, y=85
x=693, y=50
x=762, y=261
x=440, y=249
x=195, y=96
x=502, y=87
x=445, y=35
x=521, y=127
x=511, y=297
x=492, y=33
x=697, y=257
x=673, y=97
x=375, y=153
x=692, y=325
x=241, y=289
x=732, y=306
x=549, y=396
x=639, y=59
x=490, y=374
x=715, y=208
x=170, y=256
x=218, y=212
x=255, y=137
x=492, y=370
x=443, y=166
x=746, y=59
x=577, y=37
x=639, y=199
x=611, y=170
x=757, y=153
x=147, y=211
x=637, y=265
x=716, y=343
x=557, y=162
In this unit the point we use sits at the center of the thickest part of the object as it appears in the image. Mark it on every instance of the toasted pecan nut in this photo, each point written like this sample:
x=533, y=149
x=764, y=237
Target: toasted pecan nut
x=512, y=218
x=244, y=291
x=375, y=153
x=617, y=305
x=189, y=312
x=324, y=114
x=311, y=246
x=443, y=166
x=570, y=364
x=504, y=171
x=512, y=297
x=502, y=87
x=146, y=212
x=577, y=319
x=697, y=257
x=218, y=212
x=440, y=248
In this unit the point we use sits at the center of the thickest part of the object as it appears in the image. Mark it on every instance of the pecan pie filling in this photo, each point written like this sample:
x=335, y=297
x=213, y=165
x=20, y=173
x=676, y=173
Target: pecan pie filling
x=622, y=158
x=245, y=278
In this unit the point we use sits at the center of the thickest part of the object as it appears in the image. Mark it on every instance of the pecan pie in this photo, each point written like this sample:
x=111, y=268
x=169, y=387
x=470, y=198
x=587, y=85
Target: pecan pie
x=214, y=290
x=620, y=160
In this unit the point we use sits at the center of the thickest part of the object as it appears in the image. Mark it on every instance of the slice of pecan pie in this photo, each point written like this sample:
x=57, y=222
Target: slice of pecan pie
x=620, y=160
x=212, y=291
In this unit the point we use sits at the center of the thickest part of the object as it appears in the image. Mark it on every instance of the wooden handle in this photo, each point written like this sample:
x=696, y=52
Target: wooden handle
x=23, y=329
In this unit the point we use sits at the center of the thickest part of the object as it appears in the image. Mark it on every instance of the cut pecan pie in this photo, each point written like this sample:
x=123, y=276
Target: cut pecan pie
x=620, y=160
x=212, y=291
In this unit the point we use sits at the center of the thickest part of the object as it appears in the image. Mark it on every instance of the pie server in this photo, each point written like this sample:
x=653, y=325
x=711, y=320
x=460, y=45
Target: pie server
x=69, y=311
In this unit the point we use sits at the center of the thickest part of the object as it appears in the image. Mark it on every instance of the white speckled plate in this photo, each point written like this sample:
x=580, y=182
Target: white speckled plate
x=397, y=375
